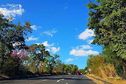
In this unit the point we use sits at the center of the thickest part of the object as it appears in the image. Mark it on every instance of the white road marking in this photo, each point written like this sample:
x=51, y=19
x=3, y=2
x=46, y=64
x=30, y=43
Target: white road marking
x=44, y=80
x=58, y=81
x=66, y=83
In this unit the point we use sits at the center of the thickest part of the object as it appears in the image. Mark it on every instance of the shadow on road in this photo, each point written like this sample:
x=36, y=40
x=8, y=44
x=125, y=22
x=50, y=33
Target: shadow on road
x=50, y=78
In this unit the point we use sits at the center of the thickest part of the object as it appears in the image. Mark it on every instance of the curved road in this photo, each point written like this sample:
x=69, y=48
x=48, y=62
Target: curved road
x=61, y=79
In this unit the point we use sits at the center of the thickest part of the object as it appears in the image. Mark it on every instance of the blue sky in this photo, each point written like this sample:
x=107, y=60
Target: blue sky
x=61, y=25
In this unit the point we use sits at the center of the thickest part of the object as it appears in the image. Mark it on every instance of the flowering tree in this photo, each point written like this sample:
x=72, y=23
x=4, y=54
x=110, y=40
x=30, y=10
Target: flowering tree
x=22, y=54
x=12, y=42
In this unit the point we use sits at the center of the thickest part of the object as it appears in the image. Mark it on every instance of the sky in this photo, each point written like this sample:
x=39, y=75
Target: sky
x=61, y=25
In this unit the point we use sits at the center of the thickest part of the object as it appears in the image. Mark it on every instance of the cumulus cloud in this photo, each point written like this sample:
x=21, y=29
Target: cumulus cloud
x=84, y=47
x=51, y=47
x=45, y=43
x=49, y=32
x=34, y=27
x=11, y=10
x=55, y=49
x=69, y=60
x=90, y=41
x=32, y=38
x=86, y=34
x=82, y=52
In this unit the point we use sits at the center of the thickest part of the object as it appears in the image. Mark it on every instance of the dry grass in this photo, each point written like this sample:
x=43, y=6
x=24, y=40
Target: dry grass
x=106, y=70
x=118, y=81
x=95, y=80
x=99, y=80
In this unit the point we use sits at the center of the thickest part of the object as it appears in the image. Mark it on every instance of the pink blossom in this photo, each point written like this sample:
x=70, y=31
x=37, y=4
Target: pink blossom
x=22, y=54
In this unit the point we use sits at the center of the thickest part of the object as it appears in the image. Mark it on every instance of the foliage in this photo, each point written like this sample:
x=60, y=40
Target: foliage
x=11, y=38
x=18, y=59
x=70, y=68
x=108, y=20
x=98, y=66
x=95, y=61
x=84, y=71
x=110, y=57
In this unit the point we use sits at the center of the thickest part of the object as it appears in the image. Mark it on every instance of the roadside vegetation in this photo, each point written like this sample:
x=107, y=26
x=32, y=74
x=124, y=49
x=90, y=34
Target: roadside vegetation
x=20, y=60
x=108, y=20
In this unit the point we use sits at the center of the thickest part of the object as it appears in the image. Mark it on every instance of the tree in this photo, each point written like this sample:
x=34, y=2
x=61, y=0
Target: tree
x=98, y=66
x=38, y=55
x=11, y=38
x=73, y=69
x=52, y=60
x=70, y=68
x=58, y=68
x=94, y=62
x=110, y=57
x=108, y=20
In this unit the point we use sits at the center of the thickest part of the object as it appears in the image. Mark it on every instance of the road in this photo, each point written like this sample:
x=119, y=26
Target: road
x=60, y=79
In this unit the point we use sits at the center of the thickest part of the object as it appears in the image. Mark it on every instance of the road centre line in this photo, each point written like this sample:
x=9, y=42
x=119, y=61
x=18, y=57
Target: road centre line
x=59, y=80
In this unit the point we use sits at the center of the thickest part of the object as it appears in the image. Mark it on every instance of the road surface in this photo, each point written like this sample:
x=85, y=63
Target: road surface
x=61, y=79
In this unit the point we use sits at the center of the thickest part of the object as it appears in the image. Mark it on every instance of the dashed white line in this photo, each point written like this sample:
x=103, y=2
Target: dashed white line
x=62, y=79
x=58, y=81
x=44, y=80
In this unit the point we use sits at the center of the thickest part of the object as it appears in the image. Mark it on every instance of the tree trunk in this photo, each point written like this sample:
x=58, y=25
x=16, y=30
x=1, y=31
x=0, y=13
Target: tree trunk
x=124, y=68
x=50, y=69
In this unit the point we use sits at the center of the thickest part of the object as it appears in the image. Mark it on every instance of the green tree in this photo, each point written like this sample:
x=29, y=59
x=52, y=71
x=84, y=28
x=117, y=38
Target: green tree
x=108, y=20
x=70, y=68
x=110, y=57
x=52, y=60
x=10, y=35
x=74, y=69
x=38, y=55
x=58, y=68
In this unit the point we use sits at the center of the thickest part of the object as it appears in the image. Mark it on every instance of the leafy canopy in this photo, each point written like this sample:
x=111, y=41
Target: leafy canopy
x=108, y=20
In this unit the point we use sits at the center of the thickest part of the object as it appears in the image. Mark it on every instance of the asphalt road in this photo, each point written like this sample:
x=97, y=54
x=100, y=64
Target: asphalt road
x=61, y=79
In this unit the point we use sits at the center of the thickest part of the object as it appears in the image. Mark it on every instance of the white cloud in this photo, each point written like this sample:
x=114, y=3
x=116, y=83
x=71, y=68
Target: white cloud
x=32, y=38
x=49, y=32
x=34, y=27
x=84, y=47
x=45, y=43
x=11, y=10
x=55, y=49
x=82, y=52
x=69, y=60
x=51, y=47
x=90, y=41
x=86, y=34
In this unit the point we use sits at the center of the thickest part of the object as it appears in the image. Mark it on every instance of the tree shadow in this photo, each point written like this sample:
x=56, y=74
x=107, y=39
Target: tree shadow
x=47, y=77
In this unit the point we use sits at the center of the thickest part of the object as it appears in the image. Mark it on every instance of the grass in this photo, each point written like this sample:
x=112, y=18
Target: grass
x=99, y=80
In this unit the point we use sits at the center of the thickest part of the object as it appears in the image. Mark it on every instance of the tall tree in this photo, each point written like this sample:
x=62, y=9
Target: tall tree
x=11, y=38
x=108, y=20
x=52, y=60
x=38, y=55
